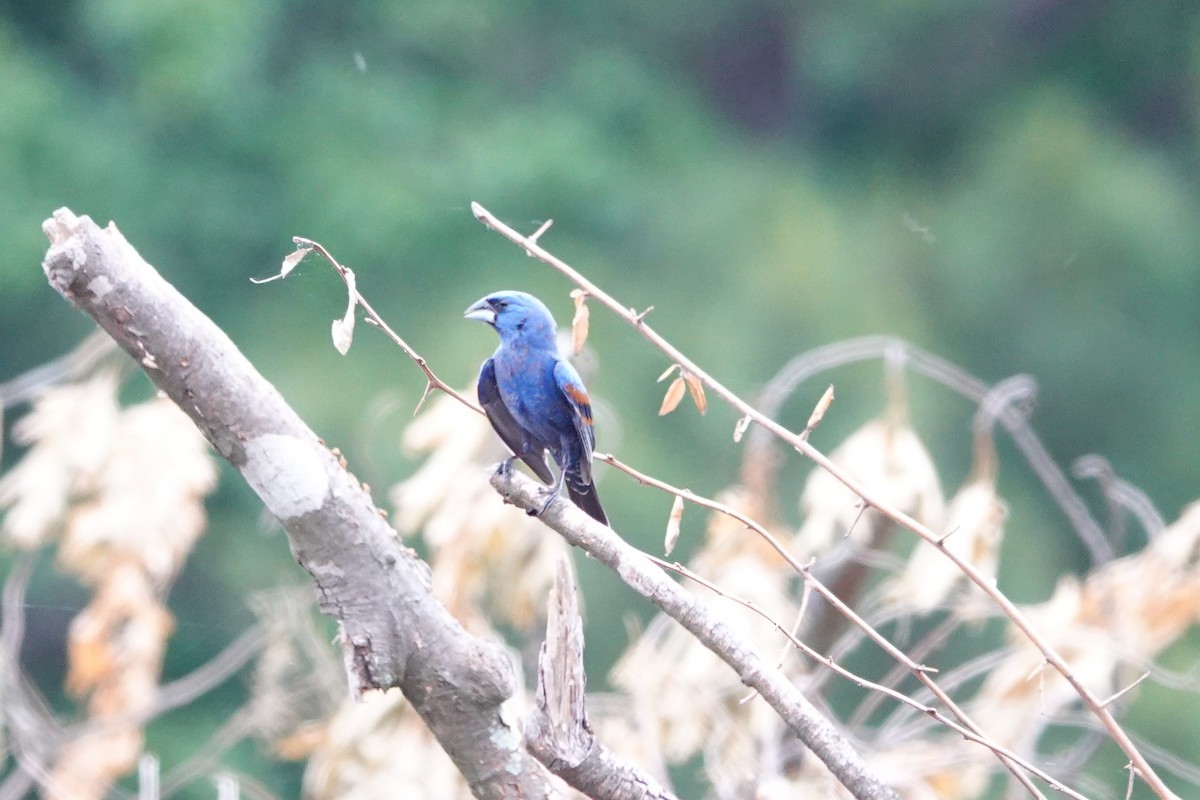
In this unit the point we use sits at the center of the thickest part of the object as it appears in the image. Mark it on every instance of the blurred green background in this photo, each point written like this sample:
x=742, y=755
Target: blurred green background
x=1013, y=186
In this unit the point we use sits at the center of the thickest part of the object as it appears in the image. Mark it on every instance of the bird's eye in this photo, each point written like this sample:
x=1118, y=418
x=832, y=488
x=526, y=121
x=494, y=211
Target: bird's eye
x=500, y=305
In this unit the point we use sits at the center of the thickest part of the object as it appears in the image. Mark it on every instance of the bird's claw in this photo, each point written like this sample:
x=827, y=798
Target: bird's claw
x=537, y=512
x=504, y=468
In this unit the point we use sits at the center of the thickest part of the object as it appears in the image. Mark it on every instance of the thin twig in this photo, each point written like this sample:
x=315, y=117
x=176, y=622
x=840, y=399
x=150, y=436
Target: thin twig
x=869, y=496
x=33, y=730
x=432, y=381
x=1117, y=695
x=91, y=351
x=801, y=569
x=927, y=645
x=1120, y=494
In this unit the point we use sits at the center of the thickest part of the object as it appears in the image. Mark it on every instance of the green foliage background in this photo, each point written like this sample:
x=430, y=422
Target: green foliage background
x=1013, y=186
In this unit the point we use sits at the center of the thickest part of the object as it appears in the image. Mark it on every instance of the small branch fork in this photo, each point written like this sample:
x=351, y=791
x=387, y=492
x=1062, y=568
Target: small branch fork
x=799, y=443
x=432, y=381
x=557, y=731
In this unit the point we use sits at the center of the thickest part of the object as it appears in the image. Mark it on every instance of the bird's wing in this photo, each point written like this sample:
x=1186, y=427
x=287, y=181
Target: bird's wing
x=510, y=431
x=569, y=382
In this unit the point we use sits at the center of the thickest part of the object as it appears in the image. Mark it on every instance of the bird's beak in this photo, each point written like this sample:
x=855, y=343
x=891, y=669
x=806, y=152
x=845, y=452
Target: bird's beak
x=482, y=311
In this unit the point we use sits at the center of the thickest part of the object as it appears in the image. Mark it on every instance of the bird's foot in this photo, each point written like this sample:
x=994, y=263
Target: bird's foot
x=550, y=498
x=504, y=468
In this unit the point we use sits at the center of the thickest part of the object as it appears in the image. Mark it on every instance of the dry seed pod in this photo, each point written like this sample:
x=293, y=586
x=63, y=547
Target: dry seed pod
x=973, y=530
x=674, y=394
x=890, y=461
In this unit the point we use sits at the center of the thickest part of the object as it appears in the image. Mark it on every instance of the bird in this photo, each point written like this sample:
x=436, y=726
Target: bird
x=535, y=400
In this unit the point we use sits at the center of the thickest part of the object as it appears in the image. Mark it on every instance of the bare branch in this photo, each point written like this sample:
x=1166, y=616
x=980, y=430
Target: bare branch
x=395, y=633
x=432, y=380
x=1008, y=401
x=1121, y=692
x=1121, y=495
x=210, y=674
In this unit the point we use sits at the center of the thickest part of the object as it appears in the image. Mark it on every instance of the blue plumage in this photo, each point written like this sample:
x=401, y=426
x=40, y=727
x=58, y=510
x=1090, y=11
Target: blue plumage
x=535, y=399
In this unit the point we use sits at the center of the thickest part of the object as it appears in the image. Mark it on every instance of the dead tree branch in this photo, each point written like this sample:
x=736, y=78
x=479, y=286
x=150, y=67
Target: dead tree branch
x=557, y=730
x=394, y=632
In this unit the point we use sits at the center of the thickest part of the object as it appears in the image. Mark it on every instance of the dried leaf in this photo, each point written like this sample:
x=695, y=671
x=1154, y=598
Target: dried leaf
x=70, y=432
x=579, y=325
x=292, y=259
x=671, y=399
x=343, y=334
x=667, y=373
x=819, y=410
x=673, y=523
x=343, y=329
x=146, y=505
x=739, y=430
x=289, y=263
x=696, y=388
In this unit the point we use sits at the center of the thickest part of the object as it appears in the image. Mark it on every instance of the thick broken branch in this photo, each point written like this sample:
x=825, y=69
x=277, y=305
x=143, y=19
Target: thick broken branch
x=395, y=633
x=557, y=731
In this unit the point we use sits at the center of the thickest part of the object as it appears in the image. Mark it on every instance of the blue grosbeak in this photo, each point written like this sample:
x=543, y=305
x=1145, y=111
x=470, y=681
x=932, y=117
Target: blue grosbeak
x=535, y=399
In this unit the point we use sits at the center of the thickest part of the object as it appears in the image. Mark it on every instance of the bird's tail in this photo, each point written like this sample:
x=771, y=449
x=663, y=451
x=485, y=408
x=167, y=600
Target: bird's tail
x=585, y=497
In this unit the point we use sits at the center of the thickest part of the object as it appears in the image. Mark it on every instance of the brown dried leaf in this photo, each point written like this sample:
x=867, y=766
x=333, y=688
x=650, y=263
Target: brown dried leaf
x=579, y=325
x=301, y=743
x=696, y=388
x=673, y=523
x=674, y=394
x=819, y=410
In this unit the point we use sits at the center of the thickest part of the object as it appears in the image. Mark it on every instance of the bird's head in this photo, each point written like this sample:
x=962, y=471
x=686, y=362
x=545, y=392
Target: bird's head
x=515, y=315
